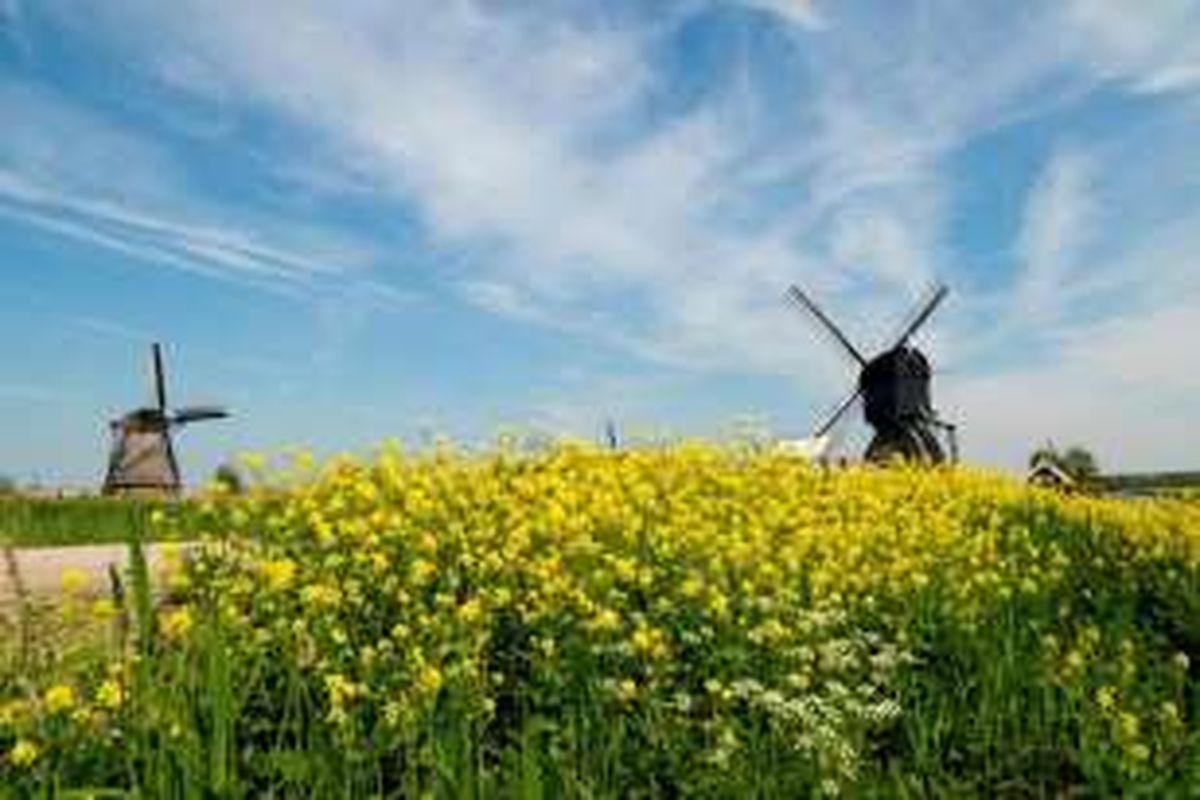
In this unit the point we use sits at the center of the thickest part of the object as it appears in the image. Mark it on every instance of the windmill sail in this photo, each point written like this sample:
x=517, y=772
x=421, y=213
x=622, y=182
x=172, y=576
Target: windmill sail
x=160, y=379
x=804, y=302
x=198, y=414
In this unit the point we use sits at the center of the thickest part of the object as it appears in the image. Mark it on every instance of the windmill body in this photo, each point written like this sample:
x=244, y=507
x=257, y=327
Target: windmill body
x=142, y=460
x=894, y=388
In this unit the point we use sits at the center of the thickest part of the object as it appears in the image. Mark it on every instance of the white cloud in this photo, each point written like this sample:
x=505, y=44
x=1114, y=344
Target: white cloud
x=1121, y=387
x=500, y=298
x=489, y=120
x=72, y=173
x=1152, y=44
x=1056, y=226
x=1172, y=78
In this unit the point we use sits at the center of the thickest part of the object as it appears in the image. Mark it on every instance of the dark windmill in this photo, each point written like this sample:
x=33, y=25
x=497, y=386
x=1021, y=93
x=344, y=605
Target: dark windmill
x=894, y=387
x=143, y=458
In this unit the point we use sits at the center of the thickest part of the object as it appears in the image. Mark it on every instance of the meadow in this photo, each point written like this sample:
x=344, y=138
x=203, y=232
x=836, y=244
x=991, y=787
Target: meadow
x=52, y=522
x=682, y=621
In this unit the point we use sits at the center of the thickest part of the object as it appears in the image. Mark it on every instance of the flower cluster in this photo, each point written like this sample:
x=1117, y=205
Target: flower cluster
x=718, y=599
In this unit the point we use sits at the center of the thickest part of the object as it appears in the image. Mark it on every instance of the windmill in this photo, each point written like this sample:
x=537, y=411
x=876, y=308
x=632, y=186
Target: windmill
x=894, y=387
x=142, y=460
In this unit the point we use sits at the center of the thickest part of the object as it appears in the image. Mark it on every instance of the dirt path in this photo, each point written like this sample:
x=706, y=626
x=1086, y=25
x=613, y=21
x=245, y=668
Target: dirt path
x=42, y=568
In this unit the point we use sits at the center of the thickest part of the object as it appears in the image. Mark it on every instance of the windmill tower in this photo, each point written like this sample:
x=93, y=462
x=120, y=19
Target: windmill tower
x=894, y=387
x=142, y=460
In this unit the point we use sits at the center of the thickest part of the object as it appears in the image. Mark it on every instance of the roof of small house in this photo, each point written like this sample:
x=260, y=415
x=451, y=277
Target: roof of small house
x=1045, y=469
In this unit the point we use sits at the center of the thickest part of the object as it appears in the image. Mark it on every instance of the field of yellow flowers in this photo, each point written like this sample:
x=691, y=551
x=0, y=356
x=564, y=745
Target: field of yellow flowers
x=683, y=621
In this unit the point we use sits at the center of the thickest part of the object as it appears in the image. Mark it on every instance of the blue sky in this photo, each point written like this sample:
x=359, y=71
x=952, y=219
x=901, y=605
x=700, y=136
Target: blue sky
x=357, y=220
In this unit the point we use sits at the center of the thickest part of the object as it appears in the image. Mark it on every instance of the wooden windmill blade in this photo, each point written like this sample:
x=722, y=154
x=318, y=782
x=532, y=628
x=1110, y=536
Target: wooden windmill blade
x=160, y=378
x=191, y=414
x=920, y=315
x=805, y=303
x=838, y=413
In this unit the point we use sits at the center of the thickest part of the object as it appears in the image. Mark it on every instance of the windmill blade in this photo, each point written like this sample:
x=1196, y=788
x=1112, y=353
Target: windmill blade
x=802, y=301
x=198, y=414
x=160, y=380
x=837, y=414
x=921, y=314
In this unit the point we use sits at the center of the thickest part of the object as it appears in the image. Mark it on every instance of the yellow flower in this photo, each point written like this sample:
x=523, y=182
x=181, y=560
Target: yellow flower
x=24, y=753
x=738, y=557
x=110, y=695
x=394, y=712
x=83, y=716
x=430, y=679
x=177, y=622
x=606, y=620
x=648, y=641
x=423, y=570
x=471, y=610
x=279, y=573
x=104, y=609
x=59, y=698
x=321, y=595
x=12, y=711
x=74, y=581
x=339, y=689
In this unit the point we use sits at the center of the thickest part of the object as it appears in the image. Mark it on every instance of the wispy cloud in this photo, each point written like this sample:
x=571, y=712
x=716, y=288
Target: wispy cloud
x=112, y=328
x=69, y=172
x=1152, y=45
x=1058, y=220
x=12, y=32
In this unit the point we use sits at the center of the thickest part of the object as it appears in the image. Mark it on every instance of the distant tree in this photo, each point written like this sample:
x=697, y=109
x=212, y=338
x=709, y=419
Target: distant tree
x=7, y=485
x=1079, y=463
x=230, y=479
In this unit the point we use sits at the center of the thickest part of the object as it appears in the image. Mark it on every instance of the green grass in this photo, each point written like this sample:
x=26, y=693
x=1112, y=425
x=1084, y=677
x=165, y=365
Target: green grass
x=44, y=522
